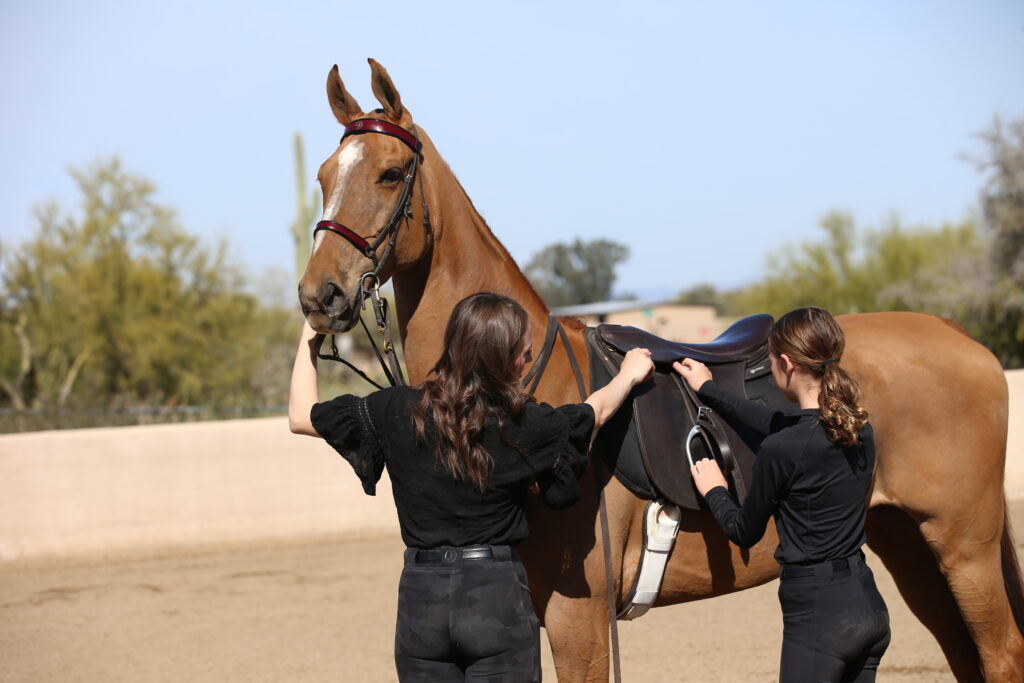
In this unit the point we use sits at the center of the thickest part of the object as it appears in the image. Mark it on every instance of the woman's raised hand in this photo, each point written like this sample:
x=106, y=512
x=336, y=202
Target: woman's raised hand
x=637, y=366
x=693, y=371
x=303, y=393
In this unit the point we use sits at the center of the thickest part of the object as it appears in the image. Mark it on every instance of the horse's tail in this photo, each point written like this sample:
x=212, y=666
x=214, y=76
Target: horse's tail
x=1011, y=571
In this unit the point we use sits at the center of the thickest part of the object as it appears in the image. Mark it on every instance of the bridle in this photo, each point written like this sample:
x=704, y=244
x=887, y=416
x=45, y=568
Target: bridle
x=369, y=282
x=402, y=208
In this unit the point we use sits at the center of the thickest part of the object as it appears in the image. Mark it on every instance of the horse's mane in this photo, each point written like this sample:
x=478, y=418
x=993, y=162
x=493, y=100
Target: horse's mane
x=489, y=238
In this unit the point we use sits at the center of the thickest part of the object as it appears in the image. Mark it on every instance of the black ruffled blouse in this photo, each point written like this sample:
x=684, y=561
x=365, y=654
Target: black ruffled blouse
x=434, y=508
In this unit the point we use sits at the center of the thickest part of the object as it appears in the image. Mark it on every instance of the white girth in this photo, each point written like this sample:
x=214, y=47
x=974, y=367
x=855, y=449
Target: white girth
x=661, y=524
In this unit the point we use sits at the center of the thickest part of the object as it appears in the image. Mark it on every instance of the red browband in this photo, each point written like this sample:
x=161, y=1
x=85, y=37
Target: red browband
x=377, y=126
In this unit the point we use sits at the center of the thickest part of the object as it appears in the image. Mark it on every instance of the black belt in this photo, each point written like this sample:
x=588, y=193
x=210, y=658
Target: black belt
x=453, y=555
x=794, y=571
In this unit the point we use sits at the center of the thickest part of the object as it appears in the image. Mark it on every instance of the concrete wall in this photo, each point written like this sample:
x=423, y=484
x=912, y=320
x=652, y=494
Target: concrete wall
x=131, y=489
x=128, y=489
x=1015, y=438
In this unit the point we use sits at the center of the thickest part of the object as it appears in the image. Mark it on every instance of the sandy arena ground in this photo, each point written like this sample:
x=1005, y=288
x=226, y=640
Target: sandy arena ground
x=324, y=611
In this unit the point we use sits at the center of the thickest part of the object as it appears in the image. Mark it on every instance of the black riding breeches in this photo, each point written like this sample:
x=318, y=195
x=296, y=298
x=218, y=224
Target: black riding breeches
x=835, y=623
x=463, y=616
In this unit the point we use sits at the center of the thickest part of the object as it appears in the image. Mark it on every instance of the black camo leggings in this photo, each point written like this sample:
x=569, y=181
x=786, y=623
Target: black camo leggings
x=466, y=620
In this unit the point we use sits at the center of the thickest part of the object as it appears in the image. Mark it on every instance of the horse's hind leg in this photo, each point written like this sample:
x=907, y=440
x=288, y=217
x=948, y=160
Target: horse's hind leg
x=897, y=541
x=948, y=571
x=969, y=554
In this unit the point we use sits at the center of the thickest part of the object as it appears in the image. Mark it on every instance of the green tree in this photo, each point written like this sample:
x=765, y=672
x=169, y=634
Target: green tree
x=577, y=273
x=119, y=305
x=947, y=271
x=850, y=271
x=997, y=314
x=1002, y=199
x=704, y=294
x=982, y=285
x=971, y=273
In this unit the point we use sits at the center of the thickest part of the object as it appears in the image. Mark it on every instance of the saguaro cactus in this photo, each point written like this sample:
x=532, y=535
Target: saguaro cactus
x=305, y=210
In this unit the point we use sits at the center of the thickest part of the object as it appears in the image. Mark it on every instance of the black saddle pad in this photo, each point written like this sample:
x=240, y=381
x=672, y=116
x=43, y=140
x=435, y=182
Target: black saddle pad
x=644, y=443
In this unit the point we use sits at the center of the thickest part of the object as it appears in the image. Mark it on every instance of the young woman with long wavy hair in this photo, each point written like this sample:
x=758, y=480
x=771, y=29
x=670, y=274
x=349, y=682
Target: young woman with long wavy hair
x=462, y=451
x=813, y=474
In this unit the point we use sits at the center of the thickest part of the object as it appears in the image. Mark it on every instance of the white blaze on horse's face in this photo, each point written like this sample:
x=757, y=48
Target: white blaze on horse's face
x=348, y=156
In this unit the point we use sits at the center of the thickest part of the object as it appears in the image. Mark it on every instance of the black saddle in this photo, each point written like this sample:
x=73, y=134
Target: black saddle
x=646, y=442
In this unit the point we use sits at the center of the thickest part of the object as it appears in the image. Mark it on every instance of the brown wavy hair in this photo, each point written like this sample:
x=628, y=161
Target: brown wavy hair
x=475, y=379
x=812, y=339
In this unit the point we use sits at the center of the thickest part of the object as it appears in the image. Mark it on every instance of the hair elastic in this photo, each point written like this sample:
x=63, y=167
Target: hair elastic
x=825, y=363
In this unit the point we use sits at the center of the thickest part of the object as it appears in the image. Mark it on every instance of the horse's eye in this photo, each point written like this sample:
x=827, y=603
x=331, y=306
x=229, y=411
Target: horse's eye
x=392, y=175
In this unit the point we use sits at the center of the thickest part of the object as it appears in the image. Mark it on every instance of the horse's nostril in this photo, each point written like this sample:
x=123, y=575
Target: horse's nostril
x=309, y=299
x=332, y=301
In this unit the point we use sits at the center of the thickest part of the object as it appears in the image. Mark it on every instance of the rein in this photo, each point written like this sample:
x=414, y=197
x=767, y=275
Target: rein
x=534, y=375
x=369, y=283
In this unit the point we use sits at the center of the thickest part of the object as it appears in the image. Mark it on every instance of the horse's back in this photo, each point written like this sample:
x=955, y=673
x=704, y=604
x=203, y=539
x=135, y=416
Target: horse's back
x=906, y=353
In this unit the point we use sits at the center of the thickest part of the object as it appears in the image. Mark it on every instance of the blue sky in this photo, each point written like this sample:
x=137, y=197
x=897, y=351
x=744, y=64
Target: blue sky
x=679, y=128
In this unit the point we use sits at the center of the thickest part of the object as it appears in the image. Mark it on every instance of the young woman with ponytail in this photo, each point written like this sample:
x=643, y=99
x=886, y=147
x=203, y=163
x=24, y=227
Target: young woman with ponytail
x=462, y=452
x=813, y=474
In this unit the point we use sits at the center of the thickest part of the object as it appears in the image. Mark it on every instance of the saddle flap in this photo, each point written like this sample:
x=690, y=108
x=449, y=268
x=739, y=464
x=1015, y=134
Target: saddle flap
x=646, y=441
x=664, y=414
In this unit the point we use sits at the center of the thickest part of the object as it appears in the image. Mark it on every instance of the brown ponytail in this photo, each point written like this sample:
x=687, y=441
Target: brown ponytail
x=812, y=339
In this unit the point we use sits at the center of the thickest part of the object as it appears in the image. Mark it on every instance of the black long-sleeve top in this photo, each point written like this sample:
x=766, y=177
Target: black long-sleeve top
x=816, y=489
x=543, y=444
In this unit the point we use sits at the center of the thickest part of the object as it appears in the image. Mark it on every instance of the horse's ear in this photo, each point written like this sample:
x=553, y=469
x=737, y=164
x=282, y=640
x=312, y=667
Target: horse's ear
x=385, y=91
x=343, y=105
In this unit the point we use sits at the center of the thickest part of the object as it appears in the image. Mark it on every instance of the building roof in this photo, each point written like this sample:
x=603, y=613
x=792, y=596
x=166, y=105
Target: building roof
x=602, y=307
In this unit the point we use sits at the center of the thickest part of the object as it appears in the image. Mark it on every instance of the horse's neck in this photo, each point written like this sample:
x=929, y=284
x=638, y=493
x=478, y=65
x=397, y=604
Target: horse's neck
x=466, y=258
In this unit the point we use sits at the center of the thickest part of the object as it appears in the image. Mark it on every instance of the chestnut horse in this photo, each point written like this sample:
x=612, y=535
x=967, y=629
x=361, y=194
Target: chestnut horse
x=937, y=399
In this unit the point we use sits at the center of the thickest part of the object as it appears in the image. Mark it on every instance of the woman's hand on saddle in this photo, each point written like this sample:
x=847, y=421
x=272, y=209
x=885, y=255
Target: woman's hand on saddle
x=707, y=475
x=693, y=371
x=637, y=366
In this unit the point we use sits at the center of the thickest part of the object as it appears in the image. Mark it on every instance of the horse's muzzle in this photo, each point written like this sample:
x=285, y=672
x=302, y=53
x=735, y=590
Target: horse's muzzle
x=328, y=310
x=326, y=325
